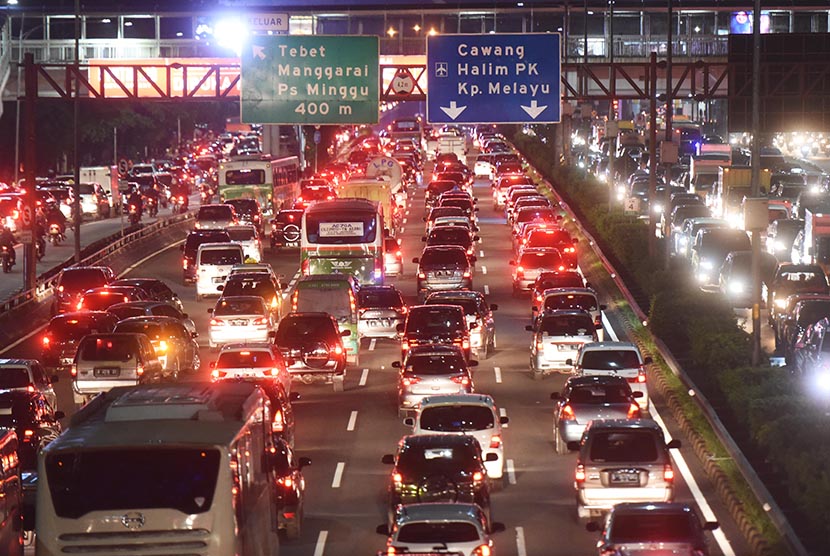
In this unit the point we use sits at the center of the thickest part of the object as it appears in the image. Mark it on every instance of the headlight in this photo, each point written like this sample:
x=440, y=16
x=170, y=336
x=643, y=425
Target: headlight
x=658, y=208
x=707, y=265
x=778, y=245
x=603, y=177
x=736, y=286
x=683, y=240
x=781, y=303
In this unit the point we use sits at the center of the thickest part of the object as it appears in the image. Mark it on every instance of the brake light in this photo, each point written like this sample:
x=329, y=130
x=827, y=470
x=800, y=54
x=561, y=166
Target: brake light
x=278, y=424
x=304, y=267
x=184, y=264
x=465, y=344
x=462, y=380
x=139, y=370
x=27, y=435
x=567, y=413
x=287, y=482
x=570, y=250
x=421, y=275
x=641, y=375
x=396, y=478
x=337, y=350
x=274, y=303
x=478, y=476
x=162, y=346
x=633, y=411
x=398, y=254
x=467, y=274
x=260, y=321
x=539, y=299
x=520, y=270
x=80, y=305
x=404, y=345
x=217, y=322
x=410, y=380
x=579, y=475
x=60, y=289
x=483, y=550
x=214, y=374
x=495, y=441
x=294, y=300
x=46, y=341
x=73, y=370
x=668, y=473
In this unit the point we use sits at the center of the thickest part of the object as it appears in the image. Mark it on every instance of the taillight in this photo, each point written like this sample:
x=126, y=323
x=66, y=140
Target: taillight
x=579, y=475
x=214, y=374
x=398, y=254
x=483, y=550
x=80, y=305
x=15, y=214
x=287, y=482
x=465, y=344
x=260, y=321
x=668, y=473
x=397, y=478
x=27, y=435
x=278, y=424
x=184, y=264
x=73, y=370
x=421, y=275
x=139, y=370
x=463, y=380
x=567, y=413
x=520, y=271
x=404, y=345
x=539, y=299
x=641, y=375
x=294, y=300
x=60, y=289
x=467, y=274
x=410, y=380
x=633, y=411
x=46, y=341
x=540, y=344
x=337, y=350
x=478, y=476
x=495, y=441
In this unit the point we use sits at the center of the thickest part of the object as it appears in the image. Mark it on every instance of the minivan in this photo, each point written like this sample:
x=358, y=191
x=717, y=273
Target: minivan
x=215, y=216
x=213, y=264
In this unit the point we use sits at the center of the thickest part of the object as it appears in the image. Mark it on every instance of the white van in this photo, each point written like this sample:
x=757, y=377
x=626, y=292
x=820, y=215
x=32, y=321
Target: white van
x=213, y=264
x=178, y=468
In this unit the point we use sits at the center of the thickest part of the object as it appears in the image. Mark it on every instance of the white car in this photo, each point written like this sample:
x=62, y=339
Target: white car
x=214, y=262
x=557, y=337
x=251, y=361
x=561, y=299
x=247, y=236
x=242, y=318
x=465, y=414
x=616, y=359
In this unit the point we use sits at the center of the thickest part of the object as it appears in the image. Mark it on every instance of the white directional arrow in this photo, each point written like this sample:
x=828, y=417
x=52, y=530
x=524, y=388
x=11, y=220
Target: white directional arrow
x=259, y=52
x=534, y=109
x=454, y=111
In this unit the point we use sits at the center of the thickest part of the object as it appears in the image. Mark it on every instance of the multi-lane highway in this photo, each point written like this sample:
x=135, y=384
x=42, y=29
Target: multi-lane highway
x=346, y=433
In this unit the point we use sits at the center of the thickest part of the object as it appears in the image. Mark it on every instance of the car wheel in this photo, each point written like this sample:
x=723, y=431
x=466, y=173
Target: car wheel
x=561, y=445
x=339, y=382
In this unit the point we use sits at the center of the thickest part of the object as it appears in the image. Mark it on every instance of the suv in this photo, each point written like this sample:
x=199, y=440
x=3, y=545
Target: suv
x=615, y=359
x=256, y=361
x=175, y=346
x=213, y=217
x=34, y=420
x=381, y=310
x=285, y=228
x=442, y=268
x=622, y=461
x=530, y=264
x=460, y=529
x=312, y=346
x=74, y=281
x=557, y=337
x=473, y=415
x=248, y=211
x=479, y=317
x=435, y=324
x=438, y=468
x=64, y=332
x=191, y=247
x=673, y=527
x=26, y=375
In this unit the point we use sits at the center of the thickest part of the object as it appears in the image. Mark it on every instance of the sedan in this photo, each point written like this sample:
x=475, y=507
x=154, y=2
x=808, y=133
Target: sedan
x=381, y=310
x=429, y=370
x=251, y=361
x=243, y=318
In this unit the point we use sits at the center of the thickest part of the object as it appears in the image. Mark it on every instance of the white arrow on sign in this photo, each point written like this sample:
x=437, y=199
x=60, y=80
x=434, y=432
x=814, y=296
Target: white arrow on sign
x=259, y=52
x=453, y=111
x=534, y=109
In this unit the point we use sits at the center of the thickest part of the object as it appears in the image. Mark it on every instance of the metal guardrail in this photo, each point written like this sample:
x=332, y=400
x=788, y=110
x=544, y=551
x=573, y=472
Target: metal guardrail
x=757, y=486
x=95, y=252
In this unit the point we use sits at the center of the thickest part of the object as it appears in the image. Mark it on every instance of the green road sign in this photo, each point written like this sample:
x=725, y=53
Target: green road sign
x=310, y=79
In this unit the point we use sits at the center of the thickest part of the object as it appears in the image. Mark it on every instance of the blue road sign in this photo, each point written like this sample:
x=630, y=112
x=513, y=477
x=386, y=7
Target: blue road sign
x=493, y=78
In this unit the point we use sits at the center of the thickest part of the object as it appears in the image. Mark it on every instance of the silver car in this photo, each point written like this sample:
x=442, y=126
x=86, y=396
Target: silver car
x=380, y=310
x=212, y=217
x=585, y=398
x=622, y=461
x=429, y=370
x=530, y=264
x=653, y=528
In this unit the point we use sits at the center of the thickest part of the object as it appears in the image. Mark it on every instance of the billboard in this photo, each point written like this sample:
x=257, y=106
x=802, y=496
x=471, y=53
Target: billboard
x=740, y=23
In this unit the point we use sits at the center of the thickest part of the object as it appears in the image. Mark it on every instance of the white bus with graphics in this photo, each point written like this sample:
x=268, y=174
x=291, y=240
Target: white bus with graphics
x=274, y=183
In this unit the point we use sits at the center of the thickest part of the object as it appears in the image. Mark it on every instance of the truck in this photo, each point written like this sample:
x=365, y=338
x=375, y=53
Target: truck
x=378, y=189
x=452, y=144
x=812, y=244
x=733, y=184
x=703, y=174
x=106, y=177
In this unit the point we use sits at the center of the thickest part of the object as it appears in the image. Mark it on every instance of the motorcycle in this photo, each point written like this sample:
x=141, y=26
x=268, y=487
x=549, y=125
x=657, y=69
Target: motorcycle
x=152, y=207
x=7, y=259
x=135, y=214
x=207, y=195
x=56, y=235
x=178, y=204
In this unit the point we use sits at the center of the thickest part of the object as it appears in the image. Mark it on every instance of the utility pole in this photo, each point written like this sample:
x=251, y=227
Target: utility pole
x=612, y=116
x=756, y=181
x=652, y=158
x=29, y=255
x=76, y=204
x=669, y=111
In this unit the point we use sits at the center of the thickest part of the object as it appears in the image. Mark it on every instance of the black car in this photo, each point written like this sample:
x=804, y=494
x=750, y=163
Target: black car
x=438, y=468
x=151, y=308
x=312, y=346
x=435, y=324
x=285, y=228
x=288, y=477
x=33, y=419
x=803, y=310
x=191, y=245
x=156, y=289
x=74, y=281
x=64, y=332
x=248, y=211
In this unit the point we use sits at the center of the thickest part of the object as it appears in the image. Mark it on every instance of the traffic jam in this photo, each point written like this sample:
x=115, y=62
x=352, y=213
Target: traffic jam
x=425, y=287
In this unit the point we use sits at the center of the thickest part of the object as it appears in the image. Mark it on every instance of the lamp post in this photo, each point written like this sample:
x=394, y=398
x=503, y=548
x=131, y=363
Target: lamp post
x=756, y=181
x=76, y=203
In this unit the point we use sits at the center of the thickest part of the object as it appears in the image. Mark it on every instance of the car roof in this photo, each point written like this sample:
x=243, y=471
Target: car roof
x=443, y=511
x=563, y=291
x=150, y=319
x=640, y=424
x=458, y=399
x=264, y=346
x=437, y=440
x=590, y=380
x=608, y=346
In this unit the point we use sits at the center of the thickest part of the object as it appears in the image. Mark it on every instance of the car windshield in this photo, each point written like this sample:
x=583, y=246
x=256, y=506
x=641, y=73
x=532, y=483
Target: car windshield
x=242, y=234
x=610, y=360
x=469, y=306
x=583, y=301
x=297, y=329
x=624, y=446
x=451, y=235
x=244, y=206
x=245, y=176
x=195, y=239
x=290, y=216
x=438, y=212
x=341, y=227
x=457, y=418
x=565, y=280
x=334, y=301
x=153, y=330
x=108, y=348
x=567, y=325
x=436, y=364
x=544, y=259
x=262, y=288
x=434, y=322
x=246, y=358
x=74, y=328
x=548, y=237
x=653, y=527
x=14, y=377
x=804, y=278
x=418, y=461
x=81, y=279
x=86, y=188
x=441, y=532
x=380, y=298
x=82, y=481
x=220, y=212
x=598, y=394
x=444, y=257
x=221, y=256
x=238, y=306
x=99, y=301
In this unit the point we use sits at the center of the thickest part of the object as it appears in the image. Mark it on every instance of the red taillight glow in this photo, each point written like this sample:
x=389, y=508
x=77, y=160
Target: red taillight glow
x=641, y=375
x=278, y=424
x=337, y=350
x=478, y=476
x=463, y=380
x=520, y=270
x=396, y=478
x=404, y=345
x=184, y=264
x=27, y=435
x=633, y=411
x=139, y=370
x=73, y=370
x=410, y=380
x=421, y=275
x=579, y=475
x=567, y=413
x=495, y=441
x=668, y=473
x=46, y=340
x=287, y=482
x=261, y=321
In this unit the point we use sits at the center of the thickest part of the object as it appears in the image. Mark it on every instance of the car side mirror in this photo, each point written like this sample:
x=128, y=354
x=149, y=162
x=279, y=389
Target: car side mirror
x=711, y=526
x=423, y=238
x=382, y=529
x=504, y=420
x=194, y=335
x=345, y=333
x=648, y=360
x=472, y=363
x=409, y=421
x=674, y=445
x=59, y=415
x=593, y=527
x=637, y=394
x=416, y=260
x=476, y=238
x=304, y=462
x=497, y=527
x=573, y=445
x=603, y=307
x=491, y=457
x=53, y=379
x=388, y=459
x=400, y=327
x=555, y=396
x=396, y=364
x=210, y=311
x=220, y=288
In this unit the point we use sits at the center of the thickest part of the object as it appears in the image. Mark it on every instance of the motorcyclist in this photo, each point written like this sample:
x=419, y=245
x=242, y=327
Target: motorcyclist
x=136, y=199
x=179, y=189
x=40, y=235
x=7, y=240
x=152, y=195
x=53, y=215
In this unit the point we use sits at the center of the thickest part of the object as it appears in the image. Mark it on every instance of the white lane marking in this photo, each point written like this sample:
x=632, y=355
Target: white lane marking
x=486, y=289
x=338, y=474
x=321, y=543
x=683, y=467
x=372, y=344
x=484, y=270
x=129, y=269
x=511, y=472
x=521, y=548
x=403, y=229
x=404, y=220
x=481, y=253
x=503, y=413
x=364, y=376
x=497, y=370
x=352, y=421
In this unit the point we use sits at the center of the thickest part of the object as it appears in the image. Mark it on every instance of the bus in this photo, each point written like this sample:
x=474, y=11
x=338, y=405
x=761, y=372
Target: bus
x=177, y=467
x=273, y=183
x=343, y=236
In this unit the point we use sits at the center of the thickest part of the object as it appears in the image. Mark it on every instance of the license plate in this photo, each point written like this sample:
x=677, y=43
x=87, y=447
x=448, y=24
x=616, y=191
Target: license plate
x=625, y=477
x=239, y=322
x=106, y=372
x=218, y=280
x=67, y=360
